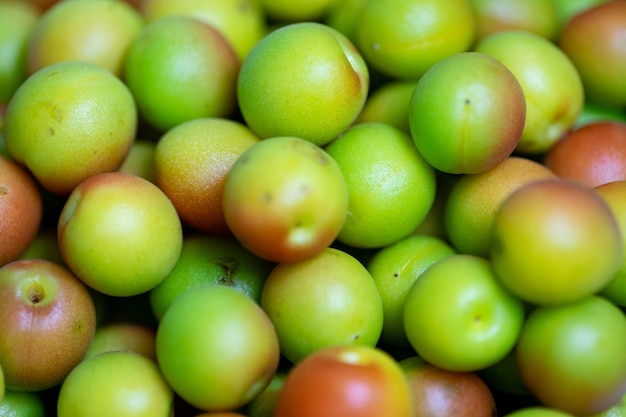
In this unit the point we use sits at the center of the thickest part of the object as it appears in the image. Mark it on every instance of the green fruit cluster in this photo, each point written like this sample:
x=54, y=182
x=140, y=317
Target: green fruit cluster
x=266, y=208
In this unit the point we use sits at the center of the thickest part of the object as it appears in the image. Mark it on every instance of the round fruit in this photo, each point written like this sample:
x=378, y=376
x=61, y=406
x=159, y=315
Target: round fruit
x=119, y=234
x=124, y=384
x=477, y=320
x=467, y=113
x=313, y=93
x=571, y=356
x=216, y=348
x=555, y=241
x=180, y=68
x=403, y=39
x=191, y=163
x=48, y=322
x=391, y=187
x=327, y=300
x=593, y=154
x=285, y=199
x=80, y=113
x=437, y=392
x=21, y=210
x=347, y=381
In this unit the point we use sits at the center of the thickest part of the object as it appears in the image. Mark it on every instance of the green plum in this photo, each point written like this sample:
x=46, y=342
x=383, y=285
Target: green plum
x=304, y=79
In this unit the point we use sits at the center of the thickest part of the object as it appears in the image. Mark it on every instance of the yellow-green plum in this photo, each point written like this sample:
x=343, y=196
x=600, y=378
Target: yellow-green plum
x=48, y=321
x=264, y=404
x=404, y=38
x=567, y=9
x=217, y=348
x=344, y=16
x=570, y=356
x=394, y=269
x=467, y=113
x=391, y=187
x=116, y=383
x=593, y=41
x=140, y=159
x=555, y=241
x=285, y=199
x=477, y=320
x=304, y=79
x=206, y=259
x=180, y=68
x=329, y=299
x=17, y=19
x=538, y=411
x=473, y=200
x=552, y=86
x=119, y=233
x=242, y=22
x=78, y=112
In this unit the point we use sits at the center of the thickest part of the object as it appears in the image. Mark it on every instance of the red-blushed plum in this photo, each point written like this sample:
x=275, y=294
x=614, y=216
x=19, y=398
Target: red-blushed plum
x=473, y=199
x=48, y=321
x=394, y=269
x=242, y=22
x=391, y=188
x=345, y=381
x=329, y=299
x=316, y=95
x=22, y=404
x=21, y=210
x=180, y=68
x=285, y=199
x=571, y=356
x=538, y=411
x=593, y=40
x=403, y=39
x=437, y=392
x=79, y=112
x=477, y=320
x=125, y=336
x=98, y=32
x=614, y=193
x=206, y=259
x=534, y=16
x=551, y=84
x=17, y=19
x=217, y=348
x=264, y=404
x=119, y=233
x=464, y=121
x=192, y=161
x=555, y=241
x=123, y=384
x=593, y=154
